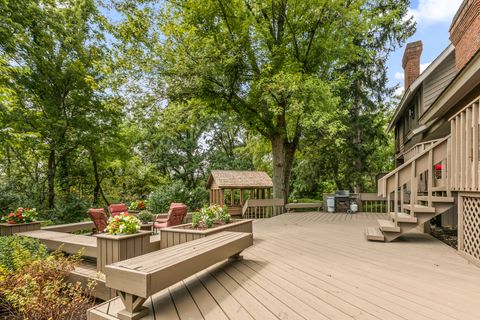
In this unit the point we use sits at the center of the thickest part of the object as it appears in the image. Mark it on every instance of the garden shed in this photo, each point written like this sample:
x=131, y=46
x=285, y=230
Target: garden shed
x=234, y=187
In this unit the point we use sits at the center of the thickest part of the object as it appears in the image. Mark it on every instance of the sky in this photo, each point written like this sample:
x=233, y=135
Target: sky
x=433, y=19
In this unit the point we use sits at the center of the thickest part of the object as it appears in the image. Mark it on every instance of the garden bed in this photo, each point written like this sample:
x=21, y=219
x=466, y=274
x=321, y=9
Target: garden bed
x=7, y=229
x=183, y=233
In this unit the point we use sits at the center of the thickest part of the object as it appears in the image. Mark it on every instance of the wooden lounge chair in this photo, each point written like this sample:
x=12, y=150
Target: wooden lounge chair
x=99, y=218
x=176, y=214
x=117, y=208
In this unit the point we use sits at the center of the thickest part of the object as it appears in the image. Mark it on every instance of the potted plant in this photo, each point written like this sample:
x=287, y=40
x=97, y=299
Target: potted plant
x=205, y=222
x=20, y=220
x=123, y=240
x=136, y=206
x=145, y=216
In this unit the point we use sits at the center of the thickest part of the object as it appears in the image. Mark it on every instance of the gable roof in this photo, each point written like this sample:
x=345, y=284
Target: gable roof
x=239, y=179
x=410, y=92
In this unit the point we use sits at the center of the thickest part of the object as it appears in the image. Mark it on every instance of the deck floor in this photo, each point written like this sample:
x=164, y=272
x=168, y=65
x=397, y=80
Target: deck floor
x=317, y=265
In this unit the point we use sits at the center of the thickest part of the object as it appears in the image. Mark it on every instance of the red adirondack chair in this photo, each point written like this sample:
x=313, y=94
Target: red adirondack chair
x=176, y=214
x=99, y=218
x=117, y=208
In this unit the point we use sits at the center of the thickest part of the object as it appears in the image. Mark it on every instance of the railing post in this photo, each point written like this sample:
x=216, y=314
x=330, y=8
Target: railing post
x=395, y=198
x=413, y=186
x=430, y=177
x=475, y=123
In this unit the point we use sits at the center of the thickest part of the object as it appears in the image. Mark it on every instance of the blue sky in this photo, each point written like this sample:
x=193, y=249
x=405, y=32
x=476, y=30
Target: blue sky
x=433, y=19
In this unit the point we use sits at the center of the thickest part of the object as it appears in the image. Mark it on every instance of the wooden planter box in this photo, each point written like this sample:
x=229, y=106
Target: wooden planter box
x=183, y=233
x=112, y=248
x=7, y=229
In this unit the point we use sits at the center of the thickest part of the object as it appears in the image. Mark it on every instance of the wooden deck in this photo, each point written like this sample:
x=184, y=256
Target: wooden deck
x=317, y=265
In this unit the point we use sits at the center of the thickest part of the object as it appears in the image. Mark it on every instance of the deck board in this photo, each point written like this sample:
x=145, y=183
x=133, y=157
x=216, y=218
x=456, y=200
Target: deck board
x=316, y=265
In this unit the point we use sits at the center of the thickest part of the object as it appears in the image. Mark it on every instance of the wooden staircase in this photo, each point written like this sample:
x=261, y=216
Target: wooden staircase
x=416, y=192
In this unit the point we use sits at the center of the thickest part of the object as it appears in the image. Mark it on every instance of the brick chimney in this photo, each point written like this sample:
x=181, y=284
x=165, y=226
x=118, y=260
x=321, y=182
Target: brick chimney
x=465, y=32
x=411, y=62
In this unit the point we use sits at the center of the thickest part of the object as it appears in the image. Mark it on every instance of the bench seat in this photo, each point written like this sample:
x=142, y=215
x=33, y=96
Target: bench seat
x=138, y=278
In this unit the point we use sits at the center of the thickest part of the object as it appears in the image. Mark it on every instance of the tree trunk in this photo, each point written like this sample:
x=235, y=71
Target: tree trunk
x=283, y=153
x=51, y=179
x=96, y=189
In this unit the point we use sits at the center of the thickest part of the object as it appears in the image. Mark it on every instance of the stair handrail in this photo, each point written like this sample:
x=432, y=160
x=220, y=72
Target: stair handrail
x=382, y=180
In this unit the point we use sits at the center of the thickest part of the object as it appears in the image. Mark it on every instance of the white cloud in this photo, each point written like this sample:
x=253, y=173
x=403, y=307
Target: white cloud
x=424, y=66
x=435, y=11
x=399, y=91
x=399, y=75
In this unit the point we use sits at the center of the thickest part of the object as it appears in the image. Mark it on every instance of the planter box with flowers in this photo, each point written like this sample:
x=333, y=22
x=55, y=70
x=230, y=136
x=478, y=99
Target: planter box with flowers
x=22, y=220
x=136, y=206
x=205, y=222
x=123, y=240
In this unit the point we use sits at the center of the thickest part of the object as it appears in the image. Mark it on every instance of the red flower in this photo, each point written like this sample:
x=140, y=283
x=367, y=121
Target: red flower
x=10, y=222
x=11, y=215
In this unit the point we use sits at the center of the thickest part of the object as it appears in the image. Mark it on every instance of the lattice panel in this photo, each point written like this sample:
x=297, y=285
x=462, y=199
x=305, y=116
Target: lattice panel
x=471, y=226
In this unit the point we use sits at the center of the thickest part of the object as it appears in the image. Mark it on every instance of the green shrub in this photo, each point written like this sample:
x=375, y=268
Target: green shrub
x=40, y=290
x=145, y=216
x=16, y=251
x=160, y=199
x=73, y=209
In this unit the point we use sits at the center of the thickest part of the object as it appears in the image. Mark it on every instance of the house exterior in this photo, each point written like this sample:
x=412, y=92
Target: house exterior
x=437, y=136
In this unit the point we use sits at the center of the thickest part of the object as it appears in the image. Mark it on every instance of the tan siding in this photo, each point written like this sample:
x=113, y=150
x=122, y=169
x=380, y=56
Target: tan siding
x=438, y=80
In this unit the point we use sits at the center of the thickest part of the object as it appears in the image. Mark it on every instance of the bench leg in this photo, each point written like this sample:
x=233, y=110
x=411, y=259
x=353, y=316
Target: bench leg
x=134, y=308
x=236, y=256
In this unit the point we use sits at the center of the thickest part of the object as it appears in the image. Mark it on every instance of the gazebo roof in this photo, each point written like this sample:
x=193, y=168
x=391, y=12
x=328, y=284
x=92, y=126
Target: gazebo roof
x=238, y=179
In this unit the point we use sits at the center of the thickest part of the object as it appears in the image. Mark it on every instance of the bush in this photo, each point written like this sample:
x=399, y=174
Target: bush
x=145, y=216
x=72, y=210
x=40, y=291
x=159, y=200
x=16, y=251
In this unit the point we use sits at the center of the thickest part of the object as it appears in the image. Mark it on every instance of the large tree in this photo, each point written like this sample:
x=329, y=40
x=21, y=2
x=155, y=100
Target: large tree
x=53, y=51
x=274, y=63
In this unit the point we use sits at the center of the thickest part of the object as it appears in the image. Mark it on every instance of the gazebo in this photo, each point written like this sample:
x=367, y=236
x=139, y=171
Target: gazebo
x=234, y=187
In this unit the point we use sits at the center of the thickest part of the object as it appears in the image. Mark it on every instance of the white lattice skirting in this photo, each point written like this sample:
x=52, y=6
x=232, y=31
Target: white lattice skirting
x=471, y=226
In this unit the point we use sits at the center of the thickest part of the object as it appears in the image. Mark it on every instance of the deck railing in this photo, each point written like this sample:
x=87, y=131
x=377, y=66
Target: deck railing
x=263, y=208
x=367, y=202
x=416, y=149
x=425, y=173
x=464, y=157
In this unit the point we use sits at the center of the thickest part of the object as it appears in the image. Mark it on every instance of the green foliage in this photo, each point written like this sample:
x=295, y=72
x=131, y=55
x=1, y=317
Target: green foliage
x=39, y=288
x=208, y=216
x=17, y=251
x=160, y=199
x=145, y=216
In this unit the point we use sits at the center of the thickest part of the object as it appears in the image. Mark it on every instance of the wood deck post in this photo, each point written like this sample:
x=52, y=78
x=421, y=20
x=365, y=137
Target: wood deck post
x=430, y=178
x=413, y=186
x=395, y=198
x=134, y=308
x=475, y=123
x=468, y=150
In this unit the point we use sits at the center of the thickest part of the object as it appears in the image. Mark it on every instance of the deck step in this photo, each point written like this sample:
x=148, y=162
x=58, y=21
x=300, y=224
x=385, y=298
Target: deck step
x=388, y=226
x=419, y=208
x=404, y=217
x=374, y=234
x=436, y=199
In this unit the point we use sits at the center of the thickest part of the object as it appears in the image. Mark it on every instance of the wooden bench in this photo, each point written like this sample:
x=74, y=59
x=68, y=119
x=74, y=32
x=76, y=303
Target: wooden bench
x=138, y=278
x=293, y=206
